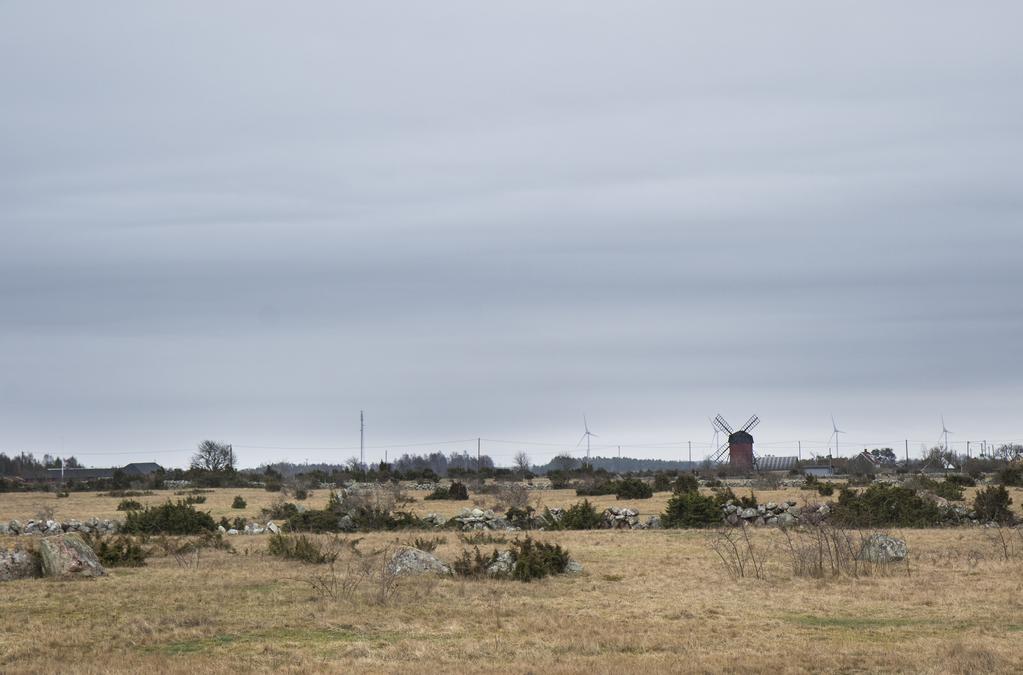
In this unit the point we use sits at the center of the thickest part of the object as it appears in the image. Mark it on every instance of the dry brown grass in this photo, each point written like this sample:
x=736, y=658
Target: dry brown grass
x=657, y=601
x=80, y=505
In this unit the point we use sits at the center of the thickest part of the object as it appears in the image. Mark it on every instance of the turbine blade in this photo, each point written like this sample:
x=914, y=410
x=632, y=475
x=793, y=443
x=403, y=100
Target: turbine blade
x=581, y=441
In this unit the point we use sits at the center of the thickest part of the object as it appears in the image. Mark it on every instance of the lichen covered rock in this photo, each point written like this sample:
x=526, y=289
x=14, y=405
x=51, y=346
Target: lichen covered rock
x=67, y=555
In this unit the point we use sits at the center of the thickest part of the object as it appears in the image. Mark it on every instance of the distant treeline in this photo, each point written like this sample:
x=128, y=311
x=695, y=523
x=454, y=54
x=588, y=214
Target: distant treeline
x=436, y=463
x=25, y=465
x=617, y=465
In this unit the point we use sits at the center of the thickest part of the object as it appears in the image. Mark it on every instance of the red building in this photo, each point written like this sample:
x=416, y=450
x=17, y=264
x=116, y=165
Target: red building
x=740, y=451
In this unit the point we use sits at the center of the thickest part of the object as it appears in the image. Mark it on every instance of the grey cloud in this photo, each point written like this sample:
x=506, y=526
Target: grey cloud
x=249, y=221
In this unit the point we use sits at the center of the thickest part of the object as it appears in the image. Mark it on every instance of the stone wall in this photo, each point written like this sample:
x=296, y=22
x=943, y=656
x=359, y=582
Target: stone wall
x=88, y=526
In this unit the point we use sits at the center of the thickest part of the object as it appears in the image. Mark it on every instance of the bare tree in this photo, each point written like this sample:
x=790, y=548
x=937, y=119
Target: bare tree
x=521, y=461
x=214, y=456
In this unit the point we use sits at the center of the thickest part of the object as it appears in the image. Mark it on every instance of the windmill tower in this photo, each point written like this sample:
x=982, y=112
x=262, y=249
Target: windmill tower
x=739, y=446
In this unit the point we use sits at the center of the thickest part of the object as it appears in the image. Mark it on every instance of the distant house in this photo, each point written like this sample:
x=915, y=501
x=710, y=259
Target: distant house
x=863, y=464
x=136, y=470
x=141, y=469
x=938, y=465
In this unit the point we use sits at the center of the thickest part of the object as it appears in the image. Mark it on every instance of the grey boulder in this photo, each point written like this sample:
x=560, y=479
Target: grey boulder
x=880, y=548
x=502, y=566
x=67, y=555
x=410, y=561
x=18, y=564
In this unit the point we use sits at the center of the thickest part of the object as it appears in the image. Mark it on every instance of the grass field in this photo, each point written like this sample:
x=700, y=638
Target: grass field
x=657, y=601
x=81, y=505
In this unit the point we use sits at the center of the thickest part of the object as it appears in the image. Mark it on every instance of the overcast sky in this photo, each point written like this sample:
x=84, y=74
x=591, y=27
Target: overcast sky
x=247, y=221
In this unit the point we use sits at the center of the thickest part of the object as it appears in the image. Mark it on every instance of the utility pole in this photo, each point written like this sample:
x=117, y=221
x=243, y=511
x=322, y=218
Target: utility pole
x=690, y=454
x=479, y=444
x=619, y=452
x=799, y=451
x=907, y=452
x=362, y=439
x=967, y=449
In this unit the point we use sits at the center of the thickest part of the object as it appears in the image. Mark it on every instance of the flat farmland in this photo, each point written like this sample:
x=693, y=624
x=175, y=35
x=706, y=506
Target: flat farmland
x=658, y=601
x=81, y=505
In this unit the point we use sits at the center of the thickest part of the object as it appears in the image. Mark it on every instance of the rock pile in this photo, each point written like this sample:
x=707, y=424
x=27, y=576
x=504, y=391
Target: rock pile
x=434, y=520
x=408, y=561
x=788, y=514
x=620, y=519
x=89, y=526
x=613, y=518
x=412, y=485
x=251, y=528
x=62, y=556
x=477, y=519
x=783, y=514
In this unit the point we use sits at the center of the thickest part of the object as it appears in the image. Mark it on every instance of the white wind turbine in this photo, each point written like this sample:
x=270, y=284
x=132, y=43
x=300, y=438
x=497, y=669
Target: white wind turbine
x=586, y=437
x=945, y=432
x=835, y=431
x=714, y=442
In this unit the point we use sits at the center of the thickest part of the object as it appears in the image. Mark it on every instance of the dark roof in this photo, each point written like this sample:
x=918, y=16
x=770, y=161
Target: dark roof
x=868, y=457
x=136, y=469
x=740, y=437
x=142, y=468
x=82, y=474
x=772, y=463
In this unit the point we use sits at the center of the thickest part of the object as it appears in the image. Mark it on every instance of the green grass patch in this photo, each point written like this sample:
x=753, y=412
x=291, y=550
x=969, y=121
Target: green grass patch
x=854, y=622
x=193, y=646
x=285, y=636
